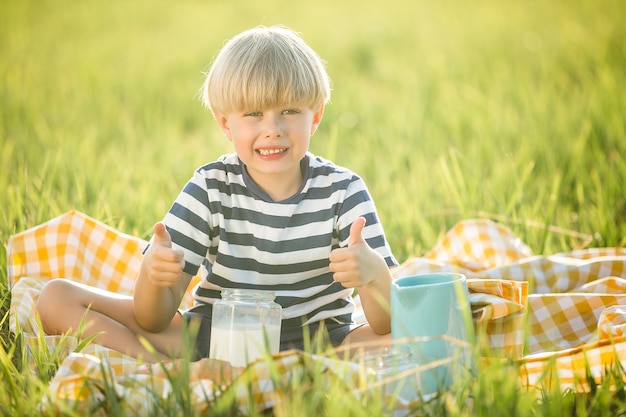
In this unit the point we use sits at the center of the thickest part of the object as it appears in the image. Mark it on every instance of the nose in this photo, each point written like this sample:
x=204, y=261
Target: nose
x=271, y=126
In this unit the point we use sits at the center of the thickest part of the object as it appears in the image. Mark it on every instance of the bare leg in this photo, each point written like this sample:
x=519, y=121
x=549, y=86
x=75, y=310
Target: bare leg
x=363, y=338
x=63, y=304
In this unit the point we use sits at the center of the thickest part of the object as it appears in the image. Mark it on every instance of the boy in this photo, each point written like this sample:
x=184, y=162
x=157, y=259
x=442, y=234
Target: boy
x=269, y=216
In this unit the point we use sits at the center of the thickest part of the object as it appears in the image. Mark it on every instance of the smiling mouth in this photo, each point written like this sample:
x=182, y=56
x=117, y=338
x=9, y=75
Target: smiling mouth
x=266, y=152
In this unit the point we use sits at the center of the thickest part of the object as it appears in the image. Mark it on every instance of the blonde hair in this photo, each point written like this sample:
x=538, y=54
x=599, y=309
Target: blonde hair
x=262, y=68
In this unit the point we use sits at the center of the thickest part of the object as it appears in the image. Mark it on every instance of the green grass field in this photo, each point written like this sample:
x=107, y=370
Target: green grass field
x=449, y=110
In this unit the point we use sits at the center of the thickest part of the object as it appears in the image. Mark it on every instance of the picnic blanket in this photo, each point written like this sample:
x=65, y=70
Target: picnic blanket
x=573, y=304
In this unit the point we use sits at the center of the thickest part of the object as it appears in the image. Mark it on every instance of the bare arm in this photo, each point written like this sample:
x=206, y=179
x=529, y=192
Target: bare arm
x=161, y=283
x=375, y=301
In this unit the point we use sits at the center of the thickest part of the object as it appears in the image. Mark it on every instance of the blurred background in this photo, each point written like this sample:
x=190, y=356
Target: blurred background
x=451, y=109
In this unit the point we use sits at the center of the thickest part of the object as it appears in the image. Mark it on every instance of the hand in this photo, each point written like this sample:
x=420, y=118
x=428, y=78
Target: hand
x=355, y=265
x=165, y=263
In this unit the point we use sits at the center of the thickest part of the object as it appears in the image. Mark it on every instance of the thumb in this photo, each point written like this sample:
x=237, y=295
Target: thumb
x=161, y=235
x=356, y=232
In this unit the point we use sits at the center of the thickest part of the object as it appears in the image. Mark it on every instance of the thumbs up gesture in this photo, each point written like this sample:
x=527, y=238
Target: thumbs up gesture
x=164, y=263
x=356, y=264
x=356, y=232
x=162, y=236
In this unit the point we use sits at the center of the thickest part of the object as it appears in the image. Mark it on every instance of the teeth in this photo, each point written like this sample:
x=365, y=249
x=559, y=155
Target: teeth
x=271, y=151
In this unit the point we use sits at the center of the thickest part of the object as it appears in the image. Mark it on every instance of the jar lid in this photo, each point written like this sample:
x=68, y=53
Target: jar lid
x=383, y=358
x=247, y=294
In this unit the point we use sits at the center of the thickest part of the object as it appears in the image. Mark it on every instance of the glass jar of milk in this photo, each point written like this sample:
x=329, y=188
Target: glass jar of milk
x=245, y=325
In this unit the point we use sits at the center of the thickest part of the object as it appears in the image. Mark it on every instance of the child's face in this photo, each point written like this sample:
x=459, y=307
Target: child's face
x=271, y=142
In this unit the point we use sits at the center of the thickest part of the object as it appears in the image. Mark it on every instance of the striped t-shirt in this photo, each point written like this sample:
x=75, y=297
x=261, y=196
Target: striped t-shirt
x=232, y=229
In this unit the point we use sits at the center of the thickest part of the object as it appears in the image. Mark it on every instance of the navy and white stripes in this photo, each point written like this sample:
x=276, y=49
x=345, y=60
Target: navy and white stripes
x=227, y=225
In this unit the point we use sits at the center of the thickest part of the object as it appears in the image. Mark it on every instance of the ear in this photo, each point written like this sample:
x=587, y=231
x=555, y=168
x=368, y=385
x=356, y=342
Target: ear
x=317, y=118
x=222, y=122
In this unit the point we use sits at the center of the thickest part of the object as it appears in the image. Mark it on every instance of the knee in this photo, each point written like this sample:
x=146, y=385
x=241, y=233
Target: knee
x=50, y=303
x=366, y=334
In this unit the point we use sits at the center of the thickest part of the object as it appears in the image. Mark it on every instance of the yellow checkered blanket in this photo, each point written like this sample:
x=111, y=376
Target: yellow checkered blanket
x=574, y=304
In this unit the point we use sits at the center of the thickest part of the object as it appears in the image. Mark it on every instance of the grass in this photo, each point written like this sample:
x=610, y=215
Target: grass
x=449, y=110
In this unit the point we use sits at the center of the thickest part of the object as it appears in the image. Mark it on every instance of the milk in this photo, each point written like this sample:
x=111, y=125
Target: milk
x=242, y=345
